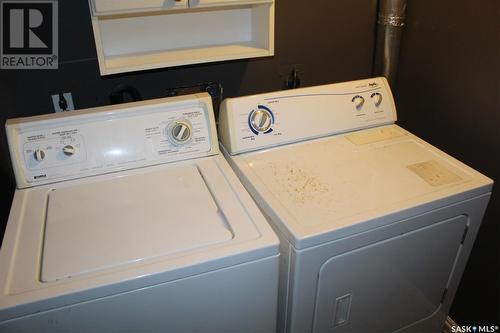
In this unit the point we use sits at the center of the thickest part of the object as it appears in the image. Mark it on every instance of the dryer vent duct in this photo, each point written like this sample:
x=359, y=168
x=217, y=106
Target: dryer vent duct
x=391, y=19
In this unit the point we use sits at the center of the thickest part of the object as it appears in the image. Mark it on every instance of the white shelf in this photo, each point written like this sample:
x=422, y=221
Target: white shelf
x=136, y=62
x=167, y=38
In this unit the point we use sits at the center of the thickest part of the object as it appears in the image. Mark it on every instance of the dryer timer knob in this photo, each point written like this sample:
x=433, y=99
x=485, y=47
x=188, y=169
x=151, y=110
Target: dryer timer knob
x=261, y=120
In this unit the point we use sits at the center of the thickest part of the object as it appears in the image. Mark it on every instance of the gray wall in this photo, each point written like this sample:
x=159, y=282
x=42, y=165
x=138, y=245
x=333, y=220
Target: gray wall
x=448, y=92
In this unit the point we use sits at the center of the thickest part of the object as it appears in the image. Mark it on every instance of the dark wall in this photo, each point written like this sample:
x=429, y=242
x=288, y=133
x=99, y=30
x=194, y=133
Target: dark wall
x=331, y=41
x=448, y=92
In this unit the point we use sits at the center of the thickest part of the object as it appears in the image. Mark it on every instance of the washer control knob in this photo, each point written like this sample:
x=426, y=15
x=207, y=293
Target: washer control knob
x=358, y=101
x=181, y=132
x=261, y=120
x=39, y=155
x=69, y=150
x=377, y=98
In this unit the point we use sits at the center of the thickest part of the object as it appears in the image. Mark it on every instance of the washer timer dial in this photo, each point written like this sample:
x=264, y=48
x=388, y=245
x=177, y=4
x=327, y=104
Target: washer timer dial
x=261, y=120
x=181, y=132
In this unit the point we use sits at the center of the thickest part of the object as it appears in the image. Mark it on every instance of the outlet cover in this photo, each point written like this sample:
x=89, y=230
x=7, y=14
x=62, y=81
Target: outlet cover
x=69, y=100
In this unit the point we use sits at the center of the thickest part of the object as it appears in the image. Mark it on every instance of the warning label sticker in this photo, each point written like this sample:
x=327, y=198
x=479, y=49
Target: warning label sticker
x=434, y=173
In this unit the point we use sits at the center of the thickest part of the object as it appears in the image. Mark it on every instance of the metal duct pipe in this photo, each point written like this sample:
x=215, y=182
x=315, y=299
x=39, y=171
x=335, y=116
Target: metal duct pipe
x=391, y=19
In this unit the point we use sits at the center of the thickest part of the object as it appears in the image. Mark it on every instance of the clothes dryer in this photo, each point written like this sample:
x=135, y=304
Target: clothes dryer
x=375, y=224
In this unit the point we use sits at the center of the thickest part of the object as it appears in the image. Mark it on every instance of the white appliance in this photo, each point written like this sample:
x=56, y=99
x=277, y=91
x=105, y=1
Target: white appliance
x=375, y=224
x=128, y=219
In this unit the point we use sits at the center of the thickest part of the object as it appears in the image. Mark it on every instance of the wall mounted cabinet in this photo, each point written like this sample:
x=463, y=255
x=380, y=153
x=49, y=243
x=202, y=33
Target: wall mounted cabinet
x=111, y=7
x=137, y=35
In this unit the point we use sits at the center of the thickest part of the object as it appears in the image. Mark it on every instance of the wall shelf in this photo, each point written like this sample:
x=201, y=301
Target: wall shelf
x=212, y=32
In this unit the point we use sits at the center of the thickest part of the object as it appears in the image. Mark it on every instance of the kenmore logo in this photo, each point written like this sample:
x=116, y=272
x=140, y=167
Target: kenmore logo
x=374, y=84
x=40, y=176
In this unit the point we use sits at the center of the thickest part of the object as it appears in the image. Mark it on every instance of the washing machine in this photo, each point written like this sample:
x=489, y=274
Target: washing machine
x=375, y=224
x=128, y=219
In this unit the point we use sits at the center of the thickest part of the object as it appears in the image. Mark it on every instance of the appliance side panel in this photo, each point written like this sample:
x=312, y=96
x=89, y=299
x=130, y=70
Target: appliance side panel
x=15, y=155
x=218, y=301
x=475, y=211
x=287, y=256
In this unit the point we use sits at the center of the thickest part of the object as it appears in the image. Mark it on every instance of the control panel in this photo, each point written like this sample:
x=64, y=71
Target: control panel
x=261, y=121
x=44, y=151
x=88, y=142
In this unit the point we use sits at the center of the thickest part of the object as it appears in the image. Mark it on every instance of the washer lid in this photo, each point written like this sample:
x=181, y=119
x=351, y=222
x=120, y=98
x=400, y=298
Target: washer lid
x=99, y=225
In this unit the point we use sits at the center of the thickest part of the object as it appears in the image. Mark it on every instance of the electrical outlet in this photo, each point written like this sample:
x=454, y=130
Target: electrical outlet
x=214, y=89
x=63, y=104
x=291, y=75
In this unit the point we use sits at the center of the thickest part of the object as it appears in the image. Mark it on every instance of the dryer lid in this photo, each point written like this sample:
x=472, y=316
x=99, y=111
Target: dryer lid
x=326, y=189
x=99, y=225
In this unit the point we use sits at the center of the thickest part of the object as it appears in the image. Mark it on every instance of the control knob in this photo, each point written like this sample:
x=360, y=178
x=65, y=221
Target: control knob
x=69, y=150
x=261, y=120
x=358, y=101
x=181, y=132
x=377, y=98
x=39, y=154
